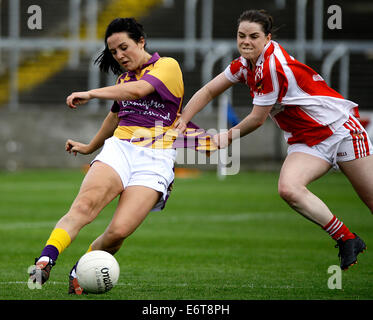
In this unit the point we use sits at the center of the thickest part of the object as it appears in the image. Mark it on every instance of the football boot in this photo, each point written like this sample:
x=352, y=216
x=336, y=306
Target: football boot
x=349, y=250
x=74, y=287
x=41, y=271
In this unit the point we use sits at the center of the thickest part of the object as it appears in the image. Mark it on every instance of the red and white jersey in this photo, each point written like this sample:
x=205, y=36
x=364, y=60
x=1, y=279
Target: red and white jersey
x=304, y=106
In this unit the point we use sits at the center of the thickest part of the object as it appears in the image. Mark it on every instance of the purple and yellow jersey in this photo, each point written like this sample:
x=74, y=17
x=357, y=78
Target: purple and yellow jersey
x=148, y=121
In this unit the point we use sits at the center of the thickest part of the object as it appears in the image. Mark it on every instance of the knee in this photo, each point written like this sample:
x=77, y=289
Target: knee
x=290, y=192
x=118, y=233
x=113, y=237
x=83, y=208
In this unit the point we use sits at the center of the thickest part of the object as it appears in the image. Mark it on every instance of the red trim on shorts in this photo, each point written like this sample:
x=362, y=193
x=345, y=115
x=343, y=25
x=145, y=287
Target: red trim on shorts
x=359, y=138
x=349, y=127
x=365, y=137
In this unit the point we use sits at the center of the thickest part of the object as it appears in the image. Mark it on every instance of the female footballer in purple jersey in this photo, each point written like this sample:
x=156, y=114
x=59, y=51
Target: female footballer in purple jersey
x=134, y=163
x=320, y=126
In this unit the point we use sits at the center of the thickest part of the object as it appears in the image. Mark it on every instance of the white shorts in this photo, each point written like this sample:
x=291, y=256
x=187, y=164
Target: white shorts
x=142, y=166
x=349, y=142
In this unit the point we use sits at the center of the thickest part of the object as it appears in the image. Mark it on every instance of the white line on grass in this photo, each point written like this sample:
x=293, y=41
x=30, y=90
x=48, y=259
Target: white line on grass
x=27, y=225
x=32, y=186
x=243, y=216
x=122, y=284
x=195, y=217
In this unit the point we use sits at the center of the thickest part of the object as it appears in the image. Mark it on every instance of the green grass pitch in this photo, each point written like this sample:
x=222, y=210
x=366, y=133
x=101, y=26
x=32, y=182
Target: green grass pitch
x=231, y=239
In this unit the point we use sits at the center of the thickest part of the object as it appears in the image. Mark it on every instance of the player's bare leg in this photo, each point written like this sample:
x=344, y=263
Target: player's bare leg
x=360, y=173
x=101, y=185
x=300, y=169
x=133, y=207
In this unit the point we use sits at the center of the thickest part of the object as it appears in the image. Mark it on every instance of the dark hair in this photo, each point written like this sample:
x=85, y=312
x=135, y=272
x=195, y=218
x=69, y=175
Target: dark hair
x=261, y=17
x=134, y=30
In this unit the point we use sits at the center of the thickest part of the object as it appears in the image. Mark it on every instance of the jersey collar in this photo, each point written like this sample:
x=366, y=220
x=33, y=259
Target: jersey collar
x=154, y=58
x=268, y=49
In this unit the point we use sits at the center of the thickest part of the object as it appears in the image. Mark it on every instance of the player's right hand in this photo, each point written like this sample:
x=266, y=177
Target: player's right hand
x=74, y=147
x=77, y=98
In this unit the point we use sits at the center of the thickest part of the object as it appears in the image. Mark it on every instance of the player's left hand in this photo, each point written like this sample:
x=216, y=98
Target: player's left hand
x=77, y=98
x=180, y=125
x=222, y=140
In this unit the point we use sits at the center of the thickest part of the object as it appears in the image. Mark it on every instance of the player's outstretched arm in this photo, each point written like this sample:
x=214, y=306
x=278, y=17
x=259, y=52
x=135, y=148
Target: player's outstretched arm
x=201, y=98
x=106, y=131
x=124, y=91
x=252, y=122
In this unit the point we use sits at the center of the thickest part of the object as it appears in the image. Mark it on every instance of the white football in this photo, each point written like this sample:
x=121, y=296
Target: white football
x=97, y=271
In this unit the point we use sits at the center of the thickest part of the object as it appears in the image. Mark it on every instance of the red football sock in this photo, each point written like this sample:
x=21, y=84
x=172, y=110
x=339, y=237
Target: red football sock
x=337, y=230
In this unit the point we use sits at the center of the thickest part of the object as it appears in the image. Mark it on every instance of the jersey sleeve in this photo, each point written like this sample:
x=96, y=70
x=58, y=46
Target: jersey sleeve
x=234, y=72
x=166, y=78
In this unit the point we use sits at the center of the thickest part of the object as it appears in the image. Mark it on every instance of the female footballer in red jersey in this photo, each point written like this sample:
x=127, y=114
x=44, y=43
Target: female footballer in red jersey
x=137, y=159
x=320, y=126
